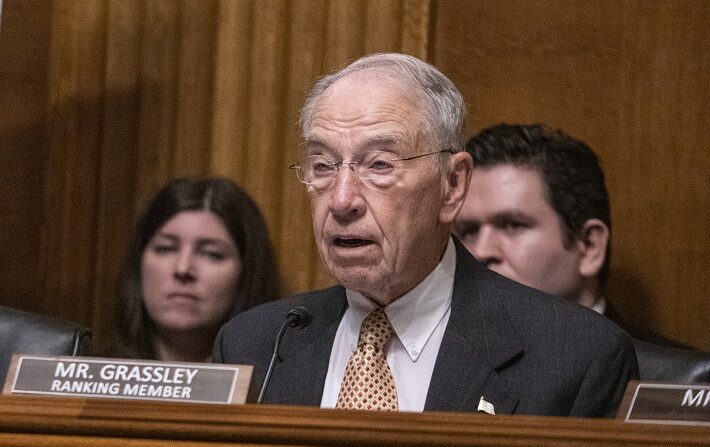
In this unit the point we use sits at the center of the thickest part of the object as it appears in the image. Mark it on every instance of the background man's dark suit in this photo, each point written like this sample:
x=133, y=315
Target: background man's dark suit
x=522, y=350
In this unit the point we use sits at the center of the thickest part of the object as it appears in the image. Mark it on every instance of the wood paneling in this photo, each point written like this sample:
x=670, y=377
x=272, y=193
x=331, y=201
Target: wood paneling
x=141, y=91
x=305, y=38
x=24, y=62
x=76, y=85
x=119, y=148
x=105, y=101
x=632, y=79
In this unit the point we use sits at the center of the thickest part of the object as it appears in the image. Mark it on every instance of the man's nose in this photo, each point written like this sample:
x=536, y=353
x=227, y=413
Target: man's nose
x=346, y=200
x=486, y=247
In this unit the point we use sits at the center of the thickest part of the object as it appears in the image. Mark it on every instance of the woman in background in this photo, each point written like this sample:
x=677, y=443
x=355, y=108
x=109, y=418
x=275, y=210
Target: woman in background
x=200, y=254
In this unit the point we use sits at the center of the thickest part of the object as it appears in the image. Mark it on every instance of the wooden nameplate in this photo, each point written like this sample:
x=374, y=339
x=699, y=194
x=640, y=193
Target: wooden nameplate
x=666, y=403
x=128, y=379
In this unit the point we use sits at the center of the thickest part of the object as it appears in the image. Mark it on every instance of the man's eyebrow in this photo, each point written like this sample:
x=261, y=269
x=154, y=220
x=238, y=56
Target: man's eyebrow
x=507, y=216
x=385, y=140
x=312, y=142
x=467, y=226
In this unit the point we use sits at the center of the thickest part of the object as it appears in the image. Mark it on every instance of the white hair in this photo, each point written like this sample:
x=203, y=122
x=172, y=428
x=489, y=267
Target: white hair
x=443, y=107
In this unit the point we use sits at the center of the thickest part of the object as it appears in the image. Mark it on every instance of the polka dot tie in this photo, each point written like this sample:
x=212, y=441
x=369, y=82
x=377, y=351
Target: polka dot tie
x=368, y=383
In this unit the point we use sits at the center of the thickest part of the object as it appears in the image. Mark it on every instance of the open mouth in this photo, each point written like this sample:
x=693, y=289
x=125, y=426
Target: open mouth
x=350, y=243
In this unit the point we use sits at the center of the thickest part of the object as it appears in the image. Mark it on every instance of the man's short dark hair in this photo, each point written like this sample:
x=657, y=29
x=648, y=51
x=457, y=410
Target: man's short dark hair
x=568, y=167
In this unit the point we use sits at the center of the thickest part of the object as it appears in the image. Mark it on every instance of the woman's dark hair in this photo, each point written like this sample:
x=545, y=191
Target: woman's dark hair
x=258, y=278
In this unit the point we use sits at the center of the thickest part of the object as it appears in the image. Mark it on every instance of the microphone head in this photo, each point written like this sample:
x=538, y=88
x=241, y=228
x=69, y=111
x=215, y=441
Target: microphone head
x=299, y=317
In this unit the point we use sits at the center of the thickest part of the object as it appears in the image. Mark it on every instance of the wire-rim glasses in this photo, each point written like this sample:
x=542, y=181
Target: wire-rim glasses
x=379, y=169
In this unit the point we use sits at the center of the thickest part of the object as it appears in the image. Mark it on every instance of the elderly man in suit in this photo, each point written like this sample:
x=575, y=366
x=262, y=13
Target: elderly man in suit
x=416, y=324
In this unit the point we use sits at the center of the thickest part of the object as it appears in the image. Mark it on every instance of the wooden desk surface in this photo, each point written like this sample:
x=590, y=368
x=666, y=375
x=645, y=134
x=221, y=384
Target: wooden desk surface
x=55, y=421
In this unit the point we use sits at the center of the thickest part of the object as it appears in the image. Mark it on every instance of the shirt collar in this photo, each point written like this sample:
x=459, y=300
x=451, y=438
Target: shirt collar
x=414, y=315
x=600, y=305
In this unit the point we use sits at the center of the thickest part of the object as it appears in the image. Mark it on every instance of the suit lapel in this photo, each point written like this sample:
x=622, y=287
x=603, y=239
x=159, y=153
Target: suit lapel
x=299, y=376
x=478, y=342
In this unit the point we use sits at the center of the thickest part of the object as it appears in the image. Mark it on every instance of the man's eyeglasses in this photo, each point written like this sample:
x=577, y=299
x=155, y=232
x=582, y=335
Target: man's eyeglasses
x=379, y=169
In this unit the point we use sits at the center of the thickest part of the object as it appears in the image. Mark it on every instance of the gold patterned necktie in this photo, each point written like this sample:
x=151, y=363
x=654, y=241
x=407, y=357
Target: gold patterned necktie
x=368, y=383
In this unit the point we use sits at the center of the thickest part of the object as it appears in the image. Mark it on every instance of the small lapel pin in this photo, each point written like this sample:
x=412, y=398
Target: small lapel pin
x=485, y=406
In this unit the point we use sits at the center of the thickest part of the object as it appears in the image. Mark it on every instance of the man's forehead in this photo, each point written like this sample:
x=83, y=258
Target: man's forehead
x=508, y=187
x=363, y=119
x=359, y=141
x=509, y=175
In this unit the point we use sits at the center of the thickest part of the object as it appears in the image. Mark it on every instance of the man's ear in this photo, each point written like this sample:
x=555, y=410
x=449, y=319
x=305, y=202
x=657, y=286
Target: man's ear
x=592, y=244
x=458, y=176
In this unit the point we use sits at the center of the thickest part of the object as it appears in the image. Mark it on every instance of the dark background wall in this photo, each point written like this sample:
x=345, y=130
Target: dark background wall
x=101, y=102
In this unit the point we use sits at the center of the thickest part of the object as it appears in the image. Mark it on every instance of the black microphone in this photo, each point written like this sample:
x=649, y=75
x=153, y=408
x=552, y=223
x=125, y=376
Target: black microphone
x=297, y=318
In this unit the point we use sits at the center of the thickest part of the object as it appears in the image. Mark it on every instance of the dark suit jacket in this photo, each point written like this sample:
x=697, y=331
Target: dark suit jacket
x=524, y=351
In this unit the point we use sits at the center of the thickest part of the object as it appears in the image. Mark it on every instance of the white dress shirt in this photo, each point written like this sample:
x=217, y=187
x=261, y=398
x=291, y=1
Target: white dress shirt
x=599, y=306
x=419, y=319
